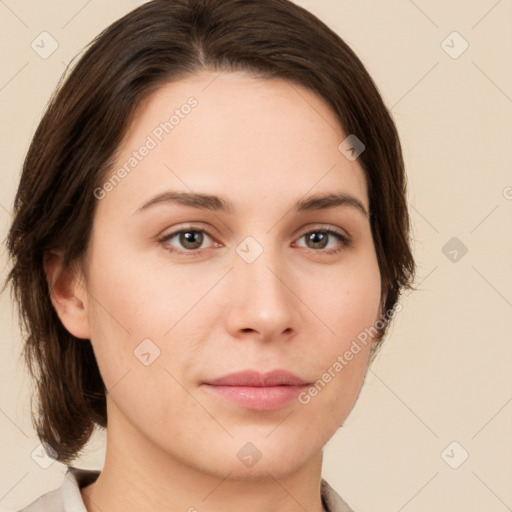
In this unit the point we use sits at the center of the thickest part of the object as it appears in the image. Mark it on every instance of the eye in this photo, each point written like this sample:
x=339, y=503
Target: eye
x=319, y=239
x=190, y=240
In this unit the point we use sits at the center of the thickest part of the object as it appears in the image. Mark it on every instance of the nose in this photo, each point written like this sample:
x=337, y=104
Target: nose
x=261, y=300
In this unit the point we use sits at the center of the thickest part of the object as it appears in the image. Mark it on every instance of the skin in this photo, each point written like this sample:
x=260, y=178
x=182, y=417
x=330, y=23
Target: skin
x=171, y=444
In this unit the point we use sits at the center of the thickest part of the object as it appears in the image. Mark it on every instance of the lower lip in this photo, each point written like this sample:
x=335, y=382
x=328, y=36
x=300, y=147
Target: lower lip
x=258, y=398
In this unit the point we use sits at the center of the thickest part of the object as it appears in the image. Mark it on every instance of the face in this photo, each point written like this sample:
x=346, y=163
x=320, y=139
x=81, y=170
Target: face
x=183, y=291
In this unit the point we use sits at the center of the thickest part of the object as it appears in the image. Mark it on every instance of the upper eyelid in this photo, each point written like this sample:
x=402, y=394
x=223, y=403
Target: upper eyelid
x=323, y=227
x=345, y=237
x=302, y=231
x=185, y=229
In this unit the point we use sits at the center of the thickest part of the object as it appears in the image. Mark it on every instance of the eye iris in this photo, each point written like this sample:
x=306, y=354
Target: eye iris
x=318, y=239
x=195, y=238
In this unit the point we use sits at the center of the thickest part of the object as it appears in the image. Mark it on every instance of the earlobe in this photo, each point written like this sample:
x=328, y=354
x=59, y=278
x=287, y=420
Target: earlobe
x=68, y=294
x=381, y=315
x=383, y=302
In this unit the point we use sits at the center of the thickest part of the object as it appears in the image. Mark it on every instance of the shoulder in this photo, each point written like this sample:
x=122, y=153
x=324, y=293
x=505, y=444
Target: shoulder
x=67, y=497
x=50, y=501
x=332, y=501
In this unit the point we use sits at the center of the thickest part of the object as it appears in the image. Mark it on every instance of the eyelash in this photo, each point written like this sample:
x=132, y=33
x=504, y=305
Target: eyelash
x=344, y=240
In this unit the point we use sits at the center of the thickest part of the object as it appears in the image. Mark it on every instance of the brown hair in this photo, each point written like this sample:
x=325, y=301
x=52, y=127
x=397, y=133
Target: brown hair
x=76, y=140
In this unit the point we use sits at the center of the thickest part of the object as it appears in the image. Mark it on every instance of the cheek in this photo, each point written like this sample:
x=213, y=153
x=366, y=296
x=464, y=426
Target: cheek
x=140, y=299
x=137, y=311
x=130, y=314
x=349, y=298
x=348, y=303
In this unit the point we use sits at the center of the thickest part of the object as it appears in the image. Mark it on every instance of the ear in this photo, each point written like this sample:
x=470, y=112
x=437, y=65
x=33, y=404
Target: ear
x=382, y=311
x=383, y=303
x=68, y=294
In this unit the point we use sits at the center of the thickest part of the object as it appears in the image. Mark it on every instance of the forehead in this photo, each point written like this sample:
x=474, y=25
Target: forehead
x=232, y=134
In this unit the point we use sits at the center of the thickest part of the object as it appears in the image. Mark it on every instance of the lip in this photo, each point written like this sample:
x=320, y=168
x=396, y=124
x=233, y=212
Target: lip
x=254, y=378
x=258, y=391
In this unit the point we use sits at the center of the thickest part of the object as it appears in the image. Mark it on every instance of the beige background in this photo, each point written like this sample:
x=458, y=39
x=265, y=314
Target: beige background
x=444, y=372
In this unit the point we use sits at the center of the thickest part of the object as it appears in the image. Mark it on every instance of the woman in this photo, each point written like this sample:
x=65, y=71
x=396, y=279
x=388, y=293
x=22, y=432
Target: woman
x=210, y=238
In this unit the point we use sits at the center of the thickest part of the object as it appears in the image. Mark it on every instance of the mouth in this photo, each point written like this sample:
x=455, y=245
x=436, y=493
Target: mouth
x=258, y=391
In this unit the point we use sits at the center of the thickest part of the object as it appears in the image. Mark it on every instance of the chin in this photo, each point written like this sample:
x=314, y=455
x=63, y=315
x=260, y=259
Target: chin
x=262, y=459
x=277, y=468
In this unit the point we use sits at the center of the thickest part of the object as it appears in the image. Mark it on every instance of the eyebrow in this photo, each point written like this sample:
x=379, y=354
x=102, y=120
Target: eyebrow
x=219, y=204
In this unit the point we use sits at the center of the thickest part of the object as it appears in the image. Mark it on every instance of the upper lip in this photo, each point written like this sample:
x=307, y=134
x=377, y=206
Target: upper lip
x=256, y=379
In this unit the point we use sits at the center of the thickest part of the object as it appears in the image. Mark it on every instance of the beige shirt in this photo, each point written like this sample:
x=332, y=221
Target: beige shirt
x=67, y=497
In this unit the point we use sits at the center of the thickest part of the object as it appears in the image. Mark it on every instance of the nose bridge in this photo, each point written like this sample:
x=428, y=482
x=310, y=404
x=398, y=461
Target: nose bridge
x=261, y=300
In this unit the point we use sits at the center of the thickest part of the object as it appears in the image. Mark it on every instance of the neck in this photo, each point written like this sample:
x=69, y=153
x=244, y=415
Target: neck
x=138, y=476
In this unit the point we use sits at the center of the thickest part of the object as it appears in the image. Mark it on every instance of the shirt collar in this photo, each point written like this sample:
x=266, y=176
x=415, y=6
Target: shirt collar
x=75, y=478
